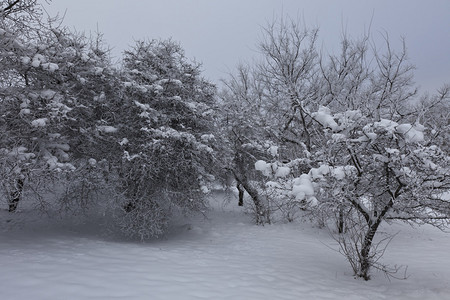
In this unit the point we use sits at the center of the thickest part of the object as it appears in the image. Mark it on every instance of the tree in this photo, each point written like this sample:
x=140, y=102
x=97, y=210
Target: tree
x=434, y=113
x=244, y=134
x=165, y=135
x=366, y=158
x=54, y=83
x=386, y=171
x=267, y=104
x=382, y=97
x=28, y=105
x=73, y=123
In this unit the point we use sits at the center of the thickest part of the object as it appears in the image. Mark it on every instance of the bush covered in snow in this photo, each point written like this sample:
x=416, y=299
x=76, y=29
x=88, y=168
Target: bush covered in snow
x=73, y=123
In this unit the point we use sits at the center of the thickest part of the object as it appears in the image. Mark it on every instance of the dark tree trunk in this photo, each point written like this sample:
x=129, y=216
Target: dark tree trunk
x=241, y=194
x=15, y=195
x=365, y=263
x=368, y=239
x=243, y=182
x=341, y=221
x=240, y=174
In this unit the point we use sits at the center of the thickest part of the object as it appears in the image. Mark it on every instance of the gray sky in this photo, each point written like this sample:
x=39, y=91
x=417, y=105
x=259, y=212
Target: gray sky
x=221, y=33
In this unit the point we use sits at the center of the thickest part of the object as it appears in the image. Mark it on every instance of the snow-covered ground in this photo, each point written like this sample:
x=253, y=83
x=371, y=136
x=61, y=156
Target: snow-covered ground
x=222, y=257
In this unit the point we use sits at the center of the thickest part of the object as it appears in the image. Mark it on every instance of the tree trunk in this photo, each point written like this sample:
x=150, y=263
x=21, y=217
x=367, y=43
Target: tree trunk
x=239, y=173
x=365, y=262
x=15, y=195
x=241, y=194
x=243, y=182
x=341, y=221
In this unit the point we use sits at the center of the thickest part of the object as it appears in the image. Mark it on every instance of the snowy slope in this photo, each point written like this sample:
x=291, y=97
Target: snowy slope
x=222, y=257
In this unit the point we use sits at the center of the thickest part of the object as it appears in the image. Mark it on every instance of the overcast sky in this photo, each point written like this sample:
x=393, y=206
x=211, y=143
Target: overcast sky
x=221, y=33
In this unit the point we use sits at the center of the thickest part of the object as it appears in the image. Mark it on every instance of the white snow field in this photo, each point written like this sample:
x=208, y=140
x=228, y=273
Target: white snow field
x=222, y=257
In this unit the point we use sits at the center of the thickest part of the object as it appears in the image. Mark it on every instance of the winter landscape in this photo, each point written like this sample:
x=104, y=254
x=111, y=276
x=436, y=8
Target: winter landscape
x=303, y=174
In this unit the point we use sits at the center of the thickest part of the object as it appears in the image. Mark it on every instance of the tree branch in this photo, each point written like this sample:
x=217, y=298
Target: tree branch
x=10, y=6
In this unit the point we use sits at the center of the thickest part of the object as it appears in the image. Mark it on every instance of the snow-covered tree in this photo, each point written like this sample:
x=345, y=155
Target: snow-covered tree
x=434, y=113
x=166, y=136
x=375, y=80
x=53, y=82
x=31, y=111
x=366, y=159
x=71, y=123
x=244, y=133
x=378, y=171
x=266, y=103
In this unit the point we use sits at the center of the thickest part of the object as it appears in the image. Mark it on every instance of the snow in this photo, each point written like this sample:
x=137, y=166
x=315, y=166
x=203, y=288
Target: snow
x=323, y=116
x=18, y=153
x=372, y=136
x=92, y=162
x=412, y=134
x=157, y=87
x=269, y=169
x=98, y=70
x=42, y=122
x=81, y=80
x=273, y=150
x=54, y=135
x=282, y=172
x=107, y=129
x=405, y=171
x=36, y=63
x=141, y=88
x=25, y=60
x=124, y=141
x=429, y=164
x=387, y=125
x=392, y=151
x=207, y=137
x=340, y=172
x=222, y=257
x=25, y=111
x=84, y=57
x=205, y=189
x=317, y=173
x=144, y=107
x=274, y=185
x=302, y=187
x=51, y=67
x=54, y=164
x=265, y=168
x=260, y=165
x=129, y=157
x=48, y=94
x=38, y=60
